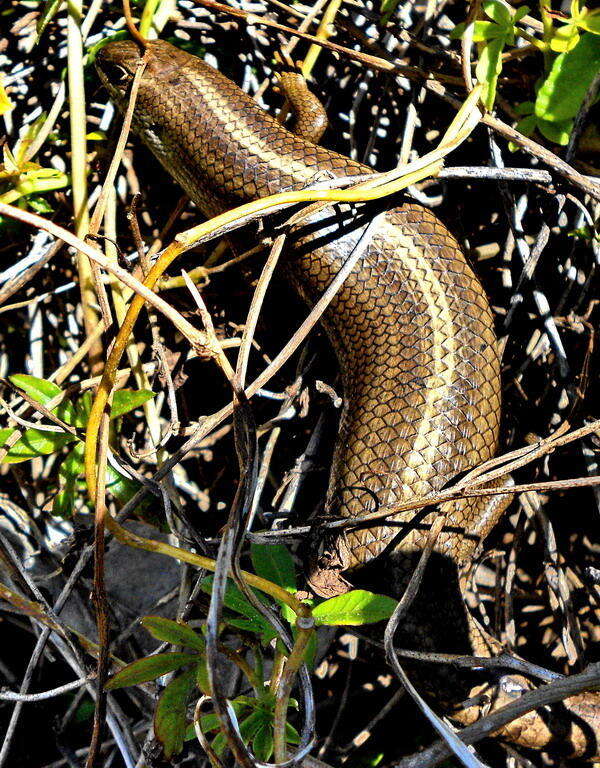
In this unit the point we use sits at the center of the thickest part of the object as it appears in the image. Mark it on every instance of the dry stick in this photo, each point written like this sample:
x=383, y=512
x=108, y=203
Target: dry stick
x=50, y=694
x=197, y=338
x=15, y=285
x=254, y=311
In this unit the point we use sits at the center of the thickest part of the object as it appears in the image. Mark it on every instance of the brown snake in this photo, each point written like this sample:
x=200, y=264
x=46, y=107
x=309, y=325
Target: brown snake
x=411, y=327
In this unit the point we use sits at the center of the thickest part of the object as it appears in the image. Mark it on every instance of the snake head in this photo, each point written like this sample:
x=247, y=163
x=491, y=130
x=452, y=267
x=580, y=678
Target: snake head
x=118, y=61
x=116, y=64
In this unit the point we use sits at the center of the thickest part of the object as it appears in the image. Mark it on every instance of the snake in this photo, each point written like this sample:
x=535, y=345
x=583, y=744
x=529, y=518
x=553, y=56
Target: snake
x=411, y=328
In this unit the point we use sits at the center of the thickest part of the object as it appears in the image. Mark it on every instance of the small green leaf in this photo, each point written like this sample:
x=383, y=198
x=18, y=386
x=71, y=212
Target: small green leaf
x=126, y=400
x=248, y=726
x=488, y=68
x=565, y=38
x=387, y=9
x=487, y=30
x=43, y=391
x=291, y=734
x=120, y=486
x=236, y=601
x=482, y=31
x=96, y=136
x=39, y=205
x=202, y=679
x=259, y=627
x=524, y=108
x=274, y=563
x=262, y=746
x=498, y=12
x=208, y=723
x=557, y=132
x=69, y=472
x=149, y=668
x=520, y=13
x=354, y=608
x=63, y=503
x=572, y=72
x=173, y=632
x=590, y=22
x=83, y=407
x=72, y=466
x=34, y=443
x=527, y=125
x=170, y=714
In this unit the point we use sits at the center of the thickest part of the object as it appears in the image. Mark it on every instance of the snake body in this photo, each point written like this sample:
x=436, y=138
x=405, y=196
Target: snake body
x=411, y=325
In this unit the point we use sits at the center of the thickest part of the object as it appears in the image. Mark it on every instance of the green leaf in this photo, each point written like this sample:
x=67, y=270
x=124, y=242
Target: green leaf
x=387, y=9
x=527, y=125
x=83, y=407
x=572, y=72
x=487, y=30
x=126, y=400
x=488, y=68
x=34, y=443
x=49, y=11
x=498, y=12
x=236, y=601
x=248, y=726
x=149, y=668
x=96, y=136
x=557, y=132
x=354, y=608
x=63, y=503
x=120, y=486
x=274, y=563
x=43, y=391
x=260, y=627
x=72, y=466
x=262, y=746
x=458, y=31
x=291, y=734
x=590, y=22
x=173, y=632
x=208, y=723
x=524, y=108
x=170, y=714
x=202, y=679
x=482, y=31
x=520, y=13
x=565, y=38
x=39, y=205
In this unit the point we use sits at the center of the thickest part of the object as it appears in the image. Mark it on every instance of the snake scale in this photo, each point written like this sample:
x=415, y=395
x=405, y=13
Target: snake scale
x=411, y=328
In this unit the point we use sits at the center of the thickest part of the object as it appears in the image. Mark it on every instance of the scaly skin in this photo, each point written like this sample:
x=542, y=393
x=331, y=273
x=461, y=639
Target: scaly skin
x=411, y=326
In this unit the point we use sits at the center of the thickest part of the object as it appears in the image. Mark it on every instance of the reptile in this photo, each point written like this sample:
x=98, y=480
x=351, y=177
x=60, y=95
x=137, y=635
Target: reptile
x=413, y=334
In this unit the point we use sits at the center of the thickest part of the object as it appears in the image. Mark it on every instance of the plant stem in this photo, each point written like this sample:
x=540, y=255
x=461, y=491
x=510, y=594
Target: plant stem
x=305, y=628
x=79, y=168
